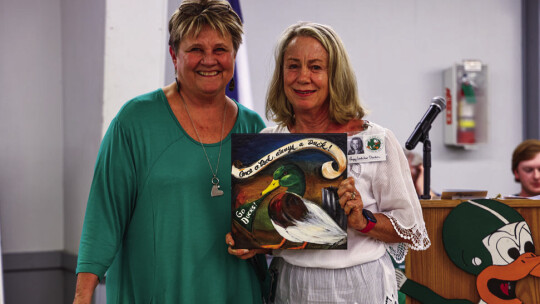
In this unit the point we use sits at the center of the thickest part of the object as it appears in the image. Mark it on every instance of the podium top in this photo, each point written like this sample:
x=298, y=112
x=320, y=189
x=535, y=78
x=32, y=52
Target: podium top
x=514, y=203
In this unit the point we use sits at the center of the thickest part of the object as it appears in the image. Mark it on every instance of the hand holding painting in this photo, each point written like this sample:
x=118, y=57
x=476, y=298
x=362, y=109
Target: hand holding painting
x=243, y=253
x=351, y=201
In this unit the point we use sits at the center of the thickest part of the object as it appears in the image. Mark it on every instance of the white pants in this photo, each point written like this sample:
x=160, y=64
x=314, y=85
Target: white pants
x=369, y=283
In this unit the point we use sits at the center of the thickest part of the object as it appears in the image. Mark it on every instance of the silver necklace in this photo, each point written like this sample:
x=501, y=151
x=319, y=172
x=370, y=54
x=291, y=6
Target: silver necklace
x=215, y=180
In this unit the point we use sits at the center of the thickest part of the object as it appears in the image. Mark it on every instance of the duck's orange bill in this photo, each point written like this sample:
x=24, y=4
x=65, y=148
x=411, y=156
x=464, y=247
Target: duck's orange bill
x=496, y=284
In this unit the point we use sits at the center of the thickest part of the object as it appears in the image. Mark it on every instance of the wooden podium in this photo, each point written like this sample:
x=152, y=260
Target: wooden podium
x=433, y=268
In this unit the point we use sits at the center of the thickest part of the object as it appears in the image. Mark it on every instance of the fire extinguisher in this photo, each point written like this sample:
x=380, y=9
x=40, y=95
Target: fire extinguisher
x=466, y=109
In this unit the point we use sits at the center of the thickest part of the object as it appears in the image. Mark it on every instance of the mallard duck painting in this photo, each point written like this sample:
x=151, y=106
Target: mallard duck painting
x=297, y=209
x=295, y=218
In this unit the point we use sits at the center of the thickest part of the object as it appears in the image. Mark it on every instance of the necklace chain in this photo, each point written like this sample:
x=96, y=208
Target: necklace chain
x=215, y=179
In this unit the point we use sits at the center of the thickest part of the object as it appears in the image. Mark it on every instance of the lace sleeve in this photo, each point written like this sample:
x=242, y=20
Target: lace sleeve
x=418, y=236
x=396, y=197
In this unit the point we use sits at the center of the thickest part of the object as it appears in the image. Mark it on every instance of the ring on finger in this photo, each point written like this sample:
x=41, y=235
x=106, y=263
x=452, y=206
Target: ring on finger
x=353, y=195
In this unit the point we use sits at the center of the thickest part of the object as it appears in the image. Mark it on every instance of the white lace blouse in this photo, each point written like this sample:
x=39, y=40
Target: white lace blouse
x=386, y=187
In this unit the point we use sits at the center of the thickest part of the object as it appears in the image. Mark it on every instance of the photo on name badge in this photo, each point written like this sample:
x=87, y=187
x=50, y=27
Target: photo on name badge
x=355, y=145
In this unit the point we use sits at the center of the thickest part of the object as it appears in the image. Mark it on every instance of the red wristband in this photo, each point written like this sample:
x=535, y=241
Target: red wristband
x=368, y=227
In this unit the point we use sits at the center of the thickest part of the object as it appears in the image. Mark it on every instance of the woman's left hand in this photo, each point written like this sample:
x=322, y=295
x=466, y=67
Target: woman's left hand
x=351, y=202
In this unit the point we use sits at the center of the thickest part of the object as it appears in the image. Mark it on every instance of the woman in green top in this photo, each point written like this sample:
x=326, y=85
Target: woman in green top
x=159, y=204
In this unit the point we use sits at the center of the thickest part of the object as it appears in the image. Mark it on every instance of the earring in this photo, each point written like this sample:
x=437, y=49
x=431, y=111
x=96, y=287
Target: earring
x=177, y=85
x=231, y=85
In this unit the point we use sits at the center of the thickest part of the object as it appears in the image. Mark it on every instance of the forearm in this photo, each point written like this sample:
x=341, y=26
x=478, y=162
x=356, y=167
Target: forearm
x=384, y=230
x=86, y=284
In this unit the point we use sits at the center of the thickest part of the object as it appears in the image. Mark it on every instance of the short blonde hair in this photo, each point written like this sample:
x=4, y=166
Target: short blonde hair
x=193, y=15
x=342, y=90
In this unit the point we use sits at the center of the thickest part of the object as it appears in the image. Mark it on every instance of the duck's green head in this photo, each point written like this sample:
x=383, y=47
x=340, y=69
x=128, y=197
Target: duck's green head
x=290, y=176
x=469, y=226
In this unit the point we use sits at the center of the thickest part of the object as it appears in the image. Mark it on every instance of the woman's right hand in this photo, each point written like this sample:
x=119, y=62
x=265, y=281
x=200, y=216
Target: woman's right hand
x=351, y=202
x=243, y=254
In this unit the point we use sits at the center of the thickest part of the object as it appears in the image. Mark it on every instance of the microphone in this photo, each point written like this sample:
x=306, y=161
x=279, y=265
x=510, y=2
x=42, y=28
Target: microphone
x=437, y=105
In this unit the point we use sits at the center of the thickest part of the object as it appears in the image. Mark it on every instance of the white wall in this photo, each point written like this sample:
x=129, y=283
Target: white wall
x=83, y=47
x=31, y=127
x=399, y=50
x=136, y=35
x=111, y=46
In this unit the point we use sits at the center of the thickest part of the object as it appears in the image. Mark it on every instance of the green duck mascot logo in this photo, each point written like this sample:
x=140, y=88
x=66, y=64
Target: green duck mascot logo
x=490, y=240
x=374, y=144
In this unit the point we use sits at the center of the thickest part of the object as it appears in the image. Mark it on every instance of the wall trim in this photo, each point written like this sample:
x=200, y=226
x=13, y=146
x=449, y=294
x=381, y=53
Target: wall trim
x=44, y=260
x=22, y=267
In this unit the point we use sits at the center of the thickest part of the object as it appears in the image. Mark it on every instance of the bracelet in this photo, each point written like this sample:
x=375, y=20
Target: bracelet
x=368, y=227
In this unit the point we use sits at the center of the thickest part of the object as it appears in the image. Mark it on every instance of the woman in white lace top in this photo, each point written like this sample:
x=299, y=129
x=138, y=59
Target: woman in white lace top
x=313, y=90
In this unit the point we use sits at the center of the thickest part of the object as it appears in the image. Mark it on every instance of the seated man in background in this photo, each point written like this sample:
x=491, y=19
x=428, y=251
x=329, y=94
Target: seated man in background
x=526, y=167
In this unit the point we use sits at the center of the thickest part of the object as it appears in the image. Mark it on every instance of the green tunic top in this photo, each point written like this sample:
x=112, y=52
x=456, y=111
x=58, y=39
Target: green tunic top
x=151, y=223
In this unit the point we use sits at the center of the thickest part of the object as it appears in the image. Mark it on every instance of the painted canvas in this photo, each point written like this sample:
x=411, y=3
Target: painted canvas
x=284, y=191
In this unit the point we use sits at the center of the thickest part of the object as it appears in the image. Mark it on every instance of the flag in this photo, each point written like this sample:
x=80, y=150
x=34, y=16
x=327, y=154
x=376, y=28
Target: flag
x=242, y=90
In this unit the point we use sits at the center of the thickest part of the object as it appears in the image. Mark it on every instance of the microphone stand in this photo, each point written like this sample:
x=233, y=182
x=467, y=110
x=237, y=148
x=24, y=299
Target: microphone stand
x=427, y=166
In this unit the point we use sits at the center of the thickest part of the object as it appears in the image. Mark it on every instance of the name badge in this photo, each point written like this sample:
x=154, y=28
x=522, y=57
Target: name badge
x=366, y=148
